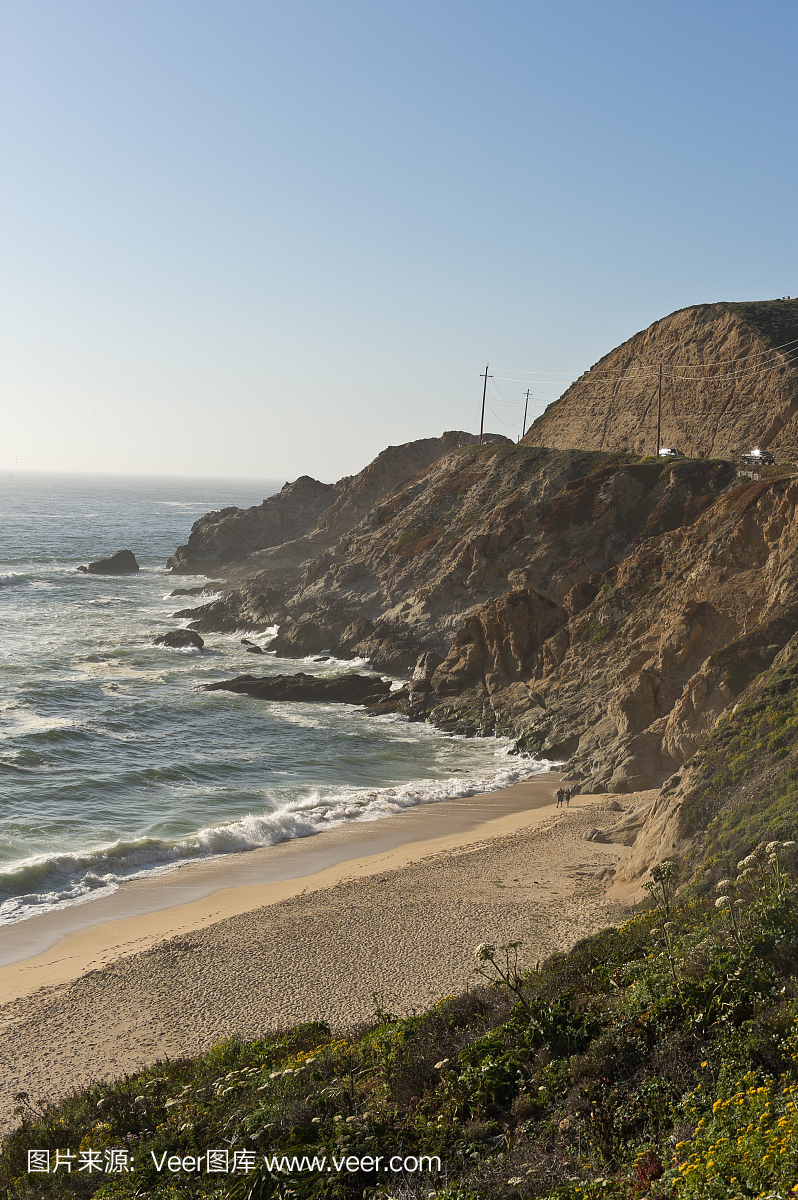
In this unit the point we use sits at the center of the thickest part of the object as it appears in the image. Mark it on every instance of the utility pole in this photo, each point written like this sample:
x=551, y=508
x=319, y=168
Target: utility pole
x=659, y=410
x=526, y=406
x=484, y=390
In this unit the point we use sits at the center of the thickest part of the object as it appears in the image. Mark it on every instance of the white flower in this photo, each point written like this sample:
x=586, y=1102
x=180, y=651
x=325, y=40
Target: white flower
x=750, y=861
x=786, y=845
x=772, y=846
x=484, y=952
x=724, y=885
x=723, y=902
x=439, y=1066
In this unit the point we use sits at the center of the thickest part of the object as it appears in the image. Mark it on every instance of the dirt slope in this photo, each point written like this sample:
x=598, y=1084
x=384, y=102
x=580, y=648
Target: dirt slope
x=726, y=386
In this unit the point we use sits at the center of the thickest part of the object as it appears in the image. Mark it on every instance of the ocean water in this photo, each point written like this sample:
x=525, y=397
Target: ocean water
x=113, y=762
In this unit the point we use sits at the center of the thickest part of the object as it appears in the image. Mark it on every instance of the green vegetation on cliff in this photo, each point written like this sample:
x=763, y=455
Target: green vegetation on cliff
x=745, y=777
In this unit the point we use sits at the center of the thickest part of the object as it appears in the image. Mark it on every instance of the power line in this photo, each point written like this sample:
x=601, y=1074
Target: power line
x=786, y=350
x=646, y=372
x=498, y=418
x=664, y=346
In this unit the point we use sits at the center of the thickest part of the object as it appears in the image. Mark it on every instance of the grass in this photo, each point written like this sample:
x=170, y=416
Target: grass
x=745, y=776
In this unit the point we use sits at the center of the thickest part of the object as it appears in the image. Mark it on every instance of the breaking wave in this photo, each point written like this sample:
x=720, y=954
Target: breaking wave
x=47, y=882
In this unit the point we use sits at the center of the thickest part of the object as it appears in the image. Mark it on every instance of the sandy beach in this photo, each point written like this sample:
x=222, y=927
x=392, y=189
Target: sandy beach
x=308, y=929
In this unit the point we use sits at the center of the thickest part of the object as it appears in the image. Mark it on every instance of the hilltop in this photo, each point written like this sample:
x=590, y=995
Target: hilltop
x=729, y=383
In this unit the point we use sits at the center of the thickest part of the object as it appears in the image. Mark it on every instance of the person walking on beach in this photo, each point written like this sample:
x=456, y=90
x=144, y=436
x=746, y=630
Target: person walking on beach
x=567, y=797
x=559, y=796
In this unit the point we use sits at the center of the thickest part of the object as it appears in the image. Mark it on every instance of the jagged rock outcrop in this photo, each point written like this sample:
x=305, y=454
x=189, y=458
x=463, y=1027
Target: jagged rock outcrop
x=729, y=383
x=230, y=534
x=123, y=562
x=344, y=689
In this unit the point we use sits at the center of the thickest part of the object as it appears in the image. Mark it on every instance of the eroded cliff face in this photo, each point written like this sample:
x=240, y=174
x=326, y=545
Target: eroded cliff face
x=603, y=611
x=628, y=686
x=729, y=384
x=306, y=515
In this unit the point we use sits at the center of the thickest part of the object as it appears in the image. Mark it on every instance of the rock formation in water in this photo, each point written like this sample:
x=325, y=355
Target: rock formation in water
x=179, y=639
x=231, y=534
x=343, y=689
x=121, y=563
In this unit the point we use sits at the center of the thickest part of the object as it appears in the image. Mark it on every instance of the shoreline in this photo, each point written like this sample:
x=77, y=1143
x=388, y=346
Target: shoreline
x=56, y=946
x=399, y=925
x=168, y=884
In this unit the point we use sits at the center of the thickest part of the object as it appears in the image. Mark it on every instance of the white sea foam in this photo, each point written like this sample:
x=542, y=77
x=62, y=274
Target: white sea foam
x=184, y=651
x=13, y=579
x=46, y=882
x=18, y=718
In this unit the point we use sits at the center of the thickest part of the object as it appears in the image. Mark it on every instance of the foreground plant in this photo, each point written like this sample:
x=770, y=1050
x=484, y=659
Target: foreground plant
x=505, y=972
x=658, y=1059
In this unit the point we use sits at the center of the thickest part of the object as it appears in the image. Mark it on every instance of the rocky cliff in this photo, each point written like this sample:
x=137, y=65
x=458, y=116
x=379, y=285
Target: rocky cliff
x=231, y=534
x=603, y=610
x=729, y=383
x=327, y=510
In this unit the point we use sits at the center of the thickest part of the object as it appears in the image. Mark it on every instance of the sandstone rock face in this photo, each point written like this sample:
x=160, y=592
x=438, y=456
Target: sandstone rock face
x=121, y=563
x=178, y=639
x=726, y=386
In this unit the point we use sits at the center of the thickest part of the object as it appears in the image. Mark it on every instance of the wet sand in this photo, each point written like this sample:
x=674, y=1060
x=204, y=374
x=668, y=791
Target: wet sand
x=307, y=930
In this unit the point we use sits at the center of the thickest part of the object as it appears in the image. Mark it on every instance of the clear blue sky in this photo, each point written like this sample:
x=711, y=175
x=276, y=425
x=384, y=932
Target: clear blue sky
x=262, y=239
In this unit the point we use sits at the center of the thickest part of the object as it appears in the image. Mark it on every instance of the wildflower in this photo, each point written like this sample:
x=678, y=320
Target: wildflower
x=723, y=902
x=724, y=885
x=484, y=952
x=772, y=846
x=440, y=1065
x=788, y=845
x=750, y=861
